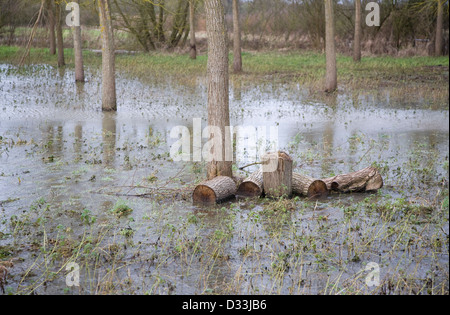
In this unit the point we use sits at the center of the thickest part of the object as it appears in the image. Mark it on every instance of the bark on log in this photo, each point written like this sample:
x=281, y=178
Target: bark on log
x=308, y=187
x=252, y=186
x=367, y=179
x=277, y=174
x=216, y=190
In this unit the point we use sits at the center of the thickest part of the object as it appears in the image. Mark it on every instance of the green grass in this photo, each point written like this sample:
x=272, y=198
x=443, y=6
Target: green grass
x=13, y=55
x=307, y=68
x=161, y=63
x=310, y=67
x=121, y=209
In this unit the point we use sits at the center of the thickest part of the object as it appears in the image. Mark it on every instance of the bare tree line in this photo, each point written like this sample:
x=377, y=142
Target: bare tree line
x=301, y=24
x=264, y=24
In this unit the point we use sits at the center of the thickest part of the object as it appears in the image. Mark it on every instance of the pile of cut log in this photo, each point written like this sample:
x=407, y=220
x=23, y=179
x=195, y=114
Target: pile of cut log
x=274, y=182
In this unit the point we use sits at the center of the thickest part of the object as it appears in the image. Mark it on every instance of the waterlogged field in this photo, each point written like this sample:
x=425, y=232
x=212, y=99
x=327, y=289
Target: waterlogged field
x=101, y=190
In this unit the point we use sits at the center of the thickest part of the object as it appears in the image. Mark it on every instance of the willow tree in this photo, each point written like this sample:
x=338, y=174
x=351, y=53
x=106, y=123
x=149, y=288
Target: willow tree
x=237, y=51
x=358, y=31
x=218, y=99
x=59, y=35
x=330, y=47
x=109, y=98
x=432, y=10
x=192, y=40
x=154, y=24
x=180, y=24
x=51, y=26
x=78, y=49
x=439, y=28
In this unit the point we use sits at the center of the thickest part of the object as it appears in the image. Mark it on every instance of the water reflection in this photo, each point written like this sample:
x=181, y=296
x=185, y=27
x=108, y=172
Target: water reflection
x=62, y=72
x=328, y=148
x=109, y=138
x=236, y=86
x=54, y=141
x=78, y=145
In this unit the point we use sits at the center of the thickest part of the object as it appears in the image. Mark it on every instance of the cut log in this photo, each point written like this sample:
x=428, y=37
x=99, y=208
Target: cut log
x=368, y=179
x=252, y=186
x=277, y=174
x=216, y=190
x=308, y=187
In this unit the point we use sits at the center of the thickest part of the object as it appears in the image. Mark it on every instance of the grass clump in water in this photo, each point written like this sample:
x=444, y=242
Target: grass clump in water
x=121, y=209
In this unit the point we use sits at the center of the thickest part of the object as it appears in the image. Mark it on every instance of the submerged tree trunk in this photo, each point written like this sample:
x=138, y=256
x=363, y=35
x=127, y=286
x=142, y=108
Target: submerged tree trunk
x=51, y=27
x=192, y=42
x=59, y=36
x=358, y=30
x=218, y=76
x=109, y=99
x=330, y=49
x=78, y=51
x=439, y=28
x=237, y=63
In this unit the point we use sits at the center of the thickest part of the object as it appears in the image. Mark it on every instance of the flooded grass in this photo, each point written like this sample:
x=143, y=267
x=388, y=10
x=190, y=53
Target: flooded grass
x=100, y=190
x=305, y=68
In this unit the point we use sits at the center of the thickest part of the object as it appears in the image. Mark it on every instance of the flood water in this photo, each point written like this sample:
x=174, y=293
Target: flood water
x=60, y=156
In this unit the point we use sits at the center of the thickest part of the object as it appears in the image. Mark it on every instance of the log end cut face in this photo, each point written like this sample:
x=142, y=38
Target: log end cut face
x=204, y=195
x=375, y=183
x=317, y=189
x=249, y=189
x=217, y=190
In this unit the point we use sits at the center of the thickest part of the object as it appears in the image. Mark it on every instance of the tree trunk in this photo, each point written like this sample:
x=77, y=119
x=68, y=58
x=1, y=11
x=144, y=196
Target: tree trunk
x=330, y=49
x=358, y=30
x=193, y=45
x=252, y=186
x=78, y=51
x=219, y=189
x=439, y=29
x=159, y=26
x=109, y=100
x=278, y=182
x=307, y=186
x=237, y=62
x=368, y=179
x=59, y=36
x=218, y=76
x=180, y=23
x=32, y=35
x=51, y=27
